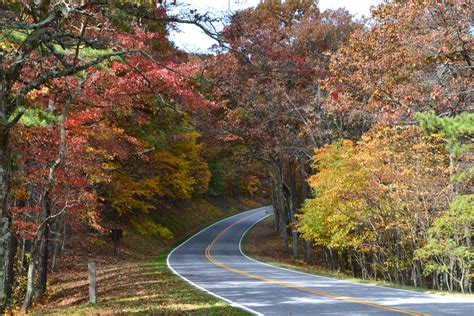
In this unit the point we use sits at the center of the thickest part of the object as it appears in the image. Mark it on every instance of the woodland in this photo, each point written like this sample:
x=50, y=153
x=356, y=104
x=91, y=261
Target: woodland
x=359, y=131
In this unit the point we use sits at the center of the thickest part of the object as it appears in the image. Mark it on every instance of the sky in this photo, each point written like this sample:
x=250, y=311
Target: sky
x=191, y=39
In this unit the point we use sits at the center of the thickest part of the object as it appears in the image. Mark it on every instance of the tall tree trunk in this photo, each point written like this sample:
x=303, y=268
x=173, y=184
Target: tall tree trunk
x=308, y=245
x=292, y=213
x=327, y=257
x=278, y=209
x=281, y=212
x=43, y=254
x=334, y=259
x=295, y=240
x=353, y=264
x=419, y=273
x=276, y=213
x=29, y=286
x=374, y=265
x=21, y=259
x=8, y=245
x=60, y=228
x=56, y=247
x=7, y=239
x=237, y=179
x=308, y=251
x=5, y=171
x=63, y=239
x=291, y=199
x=344, y=260
x=363, y=266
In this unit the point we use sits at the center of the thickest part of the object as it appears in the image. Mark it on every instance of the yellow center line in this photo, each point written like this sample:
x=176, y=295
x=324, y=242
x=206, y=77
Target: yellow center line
x=294, y=286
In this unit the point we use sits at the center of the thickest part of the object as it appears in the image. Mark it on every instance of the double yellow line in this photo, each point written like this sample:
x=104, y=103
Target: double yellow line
x=294, y=286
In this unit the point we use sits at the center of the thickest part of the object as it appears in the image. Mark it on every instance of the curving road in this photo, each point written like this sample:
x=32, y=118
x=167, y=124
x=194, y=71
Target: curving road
x=213, y=261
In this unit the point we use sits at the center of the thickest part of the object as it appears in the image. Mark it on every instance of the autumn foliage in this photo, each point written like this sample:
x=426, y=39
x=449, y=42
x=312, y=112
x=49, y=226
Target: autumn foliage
x=359, y=131
x=96, y=121
x=385, y=106
x=378, y=198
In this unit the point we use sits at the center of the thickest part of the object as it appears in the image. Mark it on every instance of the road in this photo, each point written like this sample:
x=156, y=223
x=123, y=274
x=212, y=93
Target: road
x=212, y=260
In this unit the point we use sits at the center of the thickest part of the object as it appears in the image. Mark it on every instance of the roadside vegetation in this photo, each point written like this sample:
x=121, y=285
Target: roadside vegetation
x=261, y=243
x=148, y=288
x=138, y=279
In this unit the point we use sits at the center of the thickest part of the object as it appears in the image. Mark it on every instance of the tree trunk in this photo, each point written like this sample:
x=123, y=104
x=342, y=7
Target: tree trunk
x=63, y=240
x=276, y=214
x=281, y=212
x=43, y=254
x=344, y=260
x=21, y=260
x=308, y=245
x=363, y=267
x=281, y=215
x=334, y=259
x=43, y=251
x=419, y=274
x=30, y=286
x=326, y=257
x=353, y=264
x=308, y=251
x=374, y=266
x=5, y=172
x=7, y=240
x=8, y=245
x=275, y=201
x=295, y=240
x=290, y=191
x=56, y=247
x=57, y=241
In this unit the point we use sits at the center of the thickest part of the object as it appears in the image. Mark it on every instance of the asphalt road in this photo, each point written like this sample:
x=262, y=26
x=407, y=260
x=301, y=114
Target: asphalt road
x=212, y=261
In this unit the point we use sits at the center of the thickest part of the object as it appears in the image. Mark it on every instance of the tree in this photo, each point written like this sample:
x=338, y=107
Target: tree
x=377, y=199
x=447, y=253
x=43, y=46
x=412, y=56
x=457, y=131
x=415, y=56
x=173, y=167
x=269, y=81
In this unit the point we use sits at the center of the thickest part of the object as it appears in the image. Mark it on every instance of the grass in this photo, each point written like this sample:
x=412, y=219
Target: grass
x=252, y=246
x=154, y=290
x=131, y=285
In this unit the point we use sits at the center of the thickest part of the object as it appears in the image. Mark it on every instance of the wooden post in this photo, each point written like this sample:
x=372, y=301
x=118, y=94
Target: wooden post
x=115, y=247
x=92, y=281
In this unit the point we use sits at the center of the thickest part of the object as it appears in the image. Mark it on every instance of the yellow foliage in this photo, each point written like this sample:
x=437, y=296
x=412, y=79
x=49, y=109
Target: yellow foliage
x=250, y=184
x=146, y=226
x=20, y=194
x=176, y=172
x=394, y=179
x=135, y=195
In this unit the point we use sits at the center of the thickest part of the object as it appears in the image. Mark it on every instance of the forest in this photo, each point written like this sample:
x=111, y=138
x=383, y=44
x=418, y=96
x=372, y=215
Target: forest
x=359, y=132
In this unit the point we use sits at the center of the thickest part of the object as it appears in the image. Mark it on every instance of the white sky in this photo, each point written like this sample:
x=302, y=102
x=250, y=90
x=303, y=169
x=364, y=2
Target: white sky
x=192, y=39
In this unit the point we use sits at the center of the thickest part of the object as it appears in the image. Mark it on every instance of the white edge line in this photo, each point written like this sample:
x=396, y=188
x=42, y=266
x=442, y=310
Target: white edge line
x=234, y=304
x=325, y=277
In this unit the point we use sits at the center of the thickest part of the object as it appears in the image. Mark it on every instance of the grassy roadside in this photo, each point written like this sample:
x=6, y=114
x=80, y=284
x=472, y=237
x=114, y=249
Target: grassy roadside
x=156, y=291
x=137, y=284
x=262, y=244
